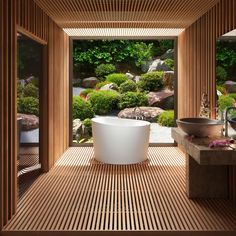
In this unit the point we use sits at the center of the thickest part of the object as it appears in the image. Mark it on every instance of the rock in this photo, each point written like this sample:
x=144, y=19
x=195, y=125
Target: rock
x=110, y=86
x=137, y=78
x=163, y=99
x=22, y=82
x=159, y=65
x=90, y=82
x=148, y=113
x=28, y=122
x=130, y=76
x=30, y=79
x=77, y=129
x=169, y=54
x=168, y=79
x=230, y=86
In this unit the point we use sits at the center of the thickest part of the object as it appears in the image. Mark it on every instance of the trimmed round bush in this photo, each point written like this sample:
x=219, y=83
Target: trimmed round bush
x=82, y=109
x=104, y=102
x=166, y=118
x=117, y=78
x=87, y=123
x=225, y=101
x=232, y=95
x=85, y=92
x=28, y=105
x=128, y=86
x=151, y=81
x=169, y=62
x=31, y=90
x=104, y=69
x=20, y=90
x=133, y=99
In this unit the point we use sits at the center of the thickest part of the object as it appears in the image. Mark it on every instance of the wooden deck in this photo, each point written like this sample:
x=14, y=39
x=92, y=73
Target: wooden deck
x=80, y=194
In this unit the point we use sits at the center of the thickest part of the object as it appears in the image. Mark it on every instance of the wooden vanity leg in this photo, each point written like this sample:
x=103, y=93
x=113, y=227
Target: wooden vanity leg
x=204, y=181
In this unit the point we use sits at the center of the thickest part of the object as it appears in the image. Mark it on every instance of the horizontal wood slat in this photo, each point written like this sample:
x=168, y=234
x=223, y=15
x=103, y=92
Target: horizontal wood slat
x=80, y=193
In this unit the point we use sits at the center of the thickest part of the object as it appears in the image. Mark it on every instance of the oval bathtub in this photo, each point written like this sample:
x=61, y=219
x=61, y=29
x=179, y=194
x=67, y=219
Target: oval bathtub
x=120, y=141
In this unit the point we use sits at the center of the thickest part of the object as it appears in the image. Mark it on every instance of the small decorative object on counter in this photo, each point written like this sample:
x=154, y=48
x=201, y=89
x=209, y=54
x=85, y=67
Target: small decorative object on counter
x=205, y=106
x=221, y=143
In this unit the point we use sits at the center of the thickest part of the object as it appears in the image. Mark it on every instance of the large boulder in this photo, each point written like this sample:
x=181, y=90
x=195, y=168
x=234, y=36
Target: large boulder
x=169, y=54
x=158, y=65
x=163, y=99
x=28, y=122
x=146, y=113
x=169, y=79
x=230, y=86
x=90, y=82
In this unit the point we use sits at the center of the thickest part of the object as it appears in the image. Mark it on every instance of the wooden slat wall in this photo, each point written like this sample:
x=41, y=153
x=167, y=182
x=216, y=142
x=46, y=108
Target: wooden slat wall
x=8, y=182
x=196, y=59
x=27, y=17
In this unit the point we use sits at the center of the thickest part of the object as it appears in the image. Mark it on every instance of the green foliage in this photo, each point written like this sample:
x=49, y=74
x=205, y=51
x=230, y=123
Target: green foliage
x=96, y=52
x=151, y=81
x=128, y=86
x=104, y=69
x=82, y=109
x=28, y=105
x=221, y=74
x=133, y=99
x=104, y=102
x=225, y=101
x=221, y=88
x=20, y=90
x=31, y=90
x=85, y=92
x=166, y=118
x=169, y=62
x=116, y=78
x=87, y=123
x=232, y=95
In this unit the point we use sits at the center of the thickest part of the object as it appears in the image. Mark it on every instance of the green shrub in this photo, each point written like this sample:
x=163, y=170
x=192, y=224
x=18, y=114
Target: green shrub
x=151, y=81
x=169, y=62
x=101, y=84
x=232, y=95
x=104, y=102
x=104, y=69
x=117, y=78
x=221, y=88
x=31, y=90
x=133, y=99
x=128, y=86
x=82, y=109
x=28, y=105
x=85, y=92
x=221, y=74
x=35, y=81
x=166, y=118
x=20, y=90
x=225, y=101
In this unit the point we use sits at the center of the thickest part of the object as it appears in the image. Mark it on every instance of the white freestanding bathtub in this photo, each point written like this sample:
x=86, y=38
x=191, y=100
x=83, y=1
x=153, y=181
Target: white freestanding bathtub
x=120, y=141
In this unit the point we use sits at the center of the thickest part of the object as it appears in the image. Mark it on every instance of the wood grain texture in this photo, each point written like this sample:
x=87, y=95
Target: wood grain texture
x=196, y=62
x=125, y=13
x=81, y=194
x=28, y=18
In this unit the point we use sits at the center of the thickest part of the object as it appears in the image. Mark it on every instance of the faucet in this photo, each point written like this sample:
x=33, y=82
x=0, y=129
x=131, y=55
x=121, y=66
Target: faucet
x=226, y=119
x=138, y=113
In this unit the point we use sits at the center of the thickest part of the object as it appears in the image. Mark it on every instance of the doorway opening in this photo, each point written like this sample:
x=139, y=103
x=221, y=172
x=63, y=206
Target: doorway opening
x=120, y=78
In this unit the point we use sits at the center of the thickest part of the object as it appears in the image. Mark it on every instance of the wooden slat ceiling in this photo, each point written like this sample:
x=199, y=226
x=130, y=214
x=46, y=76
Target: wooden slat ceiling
x=125, y=13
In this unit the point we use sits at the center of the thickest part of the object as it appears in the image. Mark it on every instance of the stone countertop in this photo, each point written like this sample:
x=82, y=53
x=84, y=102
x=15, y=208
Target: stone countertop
x=199, y=150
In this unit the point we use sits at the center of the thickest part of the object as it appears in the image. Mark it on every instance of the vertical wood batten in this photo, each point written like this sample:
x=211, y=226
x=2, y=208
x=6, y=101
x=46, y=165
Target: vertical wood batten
x=193, y=80
x=27, y=17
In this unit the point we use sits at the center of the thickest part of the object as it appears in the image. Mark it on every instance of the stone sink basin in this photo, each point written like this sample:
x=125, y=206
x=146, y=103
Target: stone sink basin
x=200, y=127
x=233, y=123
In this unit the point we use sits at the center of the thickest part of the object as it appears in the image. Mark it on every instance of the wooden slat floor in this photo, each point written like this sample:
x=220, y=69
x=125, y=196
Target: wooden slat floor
x=82, y=194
